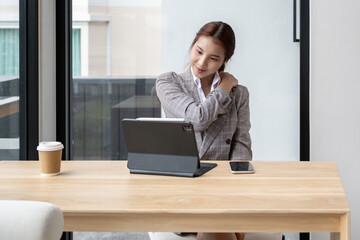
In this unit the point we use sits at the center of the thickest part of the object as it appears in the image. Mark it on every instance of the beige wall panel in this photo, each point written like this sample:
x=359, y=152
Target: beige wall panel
x=9, y=10
x=135, y=41
x=98, y=10
x=97, y=48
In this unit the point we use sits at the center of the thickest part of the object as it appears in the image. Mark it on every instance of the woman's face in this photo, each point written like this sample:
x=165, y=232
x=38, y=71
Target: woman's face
x=206, y=56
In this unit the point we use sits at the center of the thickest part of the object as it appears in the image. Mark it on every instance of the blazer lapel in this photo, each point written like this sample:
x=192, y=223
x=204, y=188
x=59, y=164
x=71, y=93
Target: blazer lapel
x=189, y=84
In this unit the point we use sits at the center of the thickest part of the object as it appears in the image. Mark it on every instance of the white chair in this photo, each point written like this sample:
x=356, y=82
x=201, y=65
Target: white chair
x=248, y=236
x=30, y=220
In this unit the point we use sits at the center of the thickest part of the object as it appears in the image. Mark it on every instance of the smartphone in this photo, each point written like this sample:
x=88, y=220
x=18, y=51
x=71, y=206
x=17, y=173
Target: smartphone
x=241, y=167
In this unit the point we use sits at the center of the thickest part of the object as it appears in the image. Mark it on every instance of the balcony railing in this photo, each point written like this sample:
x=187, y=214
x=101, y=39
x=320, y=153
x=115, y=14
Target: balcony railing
x=99, y=105
x=9, y=117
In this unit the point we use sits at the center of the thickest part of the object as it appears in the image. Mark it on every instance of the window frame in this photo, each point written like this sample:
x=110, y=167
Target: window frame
x=64, y=75
x=28, y=79
x=304, y=80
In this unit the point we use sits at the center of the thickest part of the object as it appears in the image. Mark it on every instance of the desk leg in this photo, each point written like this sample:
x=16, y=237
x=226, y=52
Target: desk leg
x=67, y=236
x=344, y=233
x=334, y=236
x=345, y=227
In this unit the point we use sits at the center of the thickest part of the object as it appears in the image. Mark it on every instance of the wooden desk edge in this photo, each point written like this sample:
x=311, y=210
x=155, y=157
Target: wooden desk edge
x=212, y=222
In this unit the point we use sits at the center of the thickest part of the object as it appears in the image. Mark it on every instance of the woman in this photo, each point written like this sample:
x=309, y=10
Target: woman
x=209, y=97
x=211, y=100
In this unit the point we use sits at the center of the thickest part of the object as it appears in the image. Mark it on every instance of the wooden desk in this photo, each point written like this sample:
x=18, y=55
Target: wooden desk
x=103, y=196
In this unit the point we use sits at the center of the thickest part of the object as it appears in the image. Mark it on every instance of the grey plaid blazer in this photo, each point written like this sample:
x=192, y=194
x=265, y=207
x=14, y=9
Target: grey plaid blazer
x=221, y=121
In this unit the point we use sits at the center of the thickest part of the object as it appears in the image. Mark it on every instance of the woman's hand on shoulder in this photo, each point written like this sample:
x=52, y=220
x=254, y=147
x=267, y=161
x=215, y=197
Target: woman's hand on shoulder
x=228, y=81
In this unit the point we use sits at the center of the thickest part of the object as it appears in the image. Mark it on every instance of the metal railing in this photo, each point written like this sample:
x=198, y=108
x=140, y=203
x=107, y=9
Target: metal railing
x=99, y=105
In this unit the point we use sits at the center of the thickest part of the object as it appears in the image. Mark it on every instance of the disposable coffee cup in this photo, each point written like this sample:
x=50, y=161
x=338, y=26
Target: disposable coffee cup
x=50, y=158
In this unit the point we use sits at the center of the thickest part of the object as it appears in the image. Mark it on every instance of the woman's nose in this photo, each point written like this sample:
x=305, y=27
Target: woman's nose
x=202, y=61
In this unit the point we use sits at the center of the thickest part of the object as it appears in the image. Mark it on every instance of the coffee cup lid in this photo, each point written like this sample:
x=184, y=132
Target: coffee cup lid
x=50, y=146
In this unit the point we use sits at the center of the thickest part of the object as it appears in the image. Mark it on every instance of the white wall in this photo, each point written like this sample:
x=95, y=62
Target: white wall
x=335, y=93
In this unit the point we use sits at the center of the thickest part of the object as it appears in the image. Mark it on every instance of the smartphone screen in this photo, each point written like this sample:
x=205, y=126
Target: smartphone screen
x=241, y=167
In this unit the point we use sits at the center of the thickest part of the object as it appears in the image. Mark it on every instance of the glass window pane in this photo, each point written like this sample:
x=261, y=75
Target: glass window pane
x=9, y=49
x=9, y=80
x=125, y=45
x=76, y=59
x=116, y=58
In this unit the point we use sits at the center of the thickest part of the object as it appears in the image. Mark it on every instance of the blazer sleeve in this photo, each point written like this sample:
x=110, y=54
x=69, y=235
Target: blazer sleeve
x=241, y=142
x=176, y=101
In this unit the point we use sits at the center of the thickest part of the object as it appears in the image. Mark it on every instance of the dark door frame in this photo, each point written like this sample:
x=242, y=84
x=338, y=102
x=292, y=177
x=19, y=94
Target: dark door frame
x=28, y=79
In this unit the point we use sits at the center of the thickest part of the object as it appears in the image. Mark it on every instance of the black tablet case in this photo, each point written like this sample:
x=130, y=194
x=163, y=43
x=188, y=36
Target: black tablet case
x=161, y=147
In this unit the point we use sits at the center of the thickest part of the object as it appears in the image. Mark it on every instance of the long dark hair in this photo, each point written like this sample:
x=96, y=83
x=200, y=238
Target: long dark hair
x=222, y=32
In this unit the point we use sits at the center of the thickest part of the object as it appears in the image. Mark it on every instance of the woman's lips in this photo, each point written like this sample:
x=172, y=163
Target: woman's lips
x=199, y=70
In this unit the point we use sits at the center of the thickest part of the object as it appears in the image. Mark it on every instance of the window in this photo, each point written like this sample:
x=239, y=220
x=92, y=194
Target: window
x=9, y=87
x=18, y=79
x=114, y=71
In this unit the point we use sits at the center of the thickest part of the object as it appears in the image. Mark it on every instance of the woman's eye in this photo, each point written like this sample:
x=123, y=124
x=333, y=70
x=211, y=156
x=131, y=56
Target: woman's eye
x=199, y=52
x=214, y=59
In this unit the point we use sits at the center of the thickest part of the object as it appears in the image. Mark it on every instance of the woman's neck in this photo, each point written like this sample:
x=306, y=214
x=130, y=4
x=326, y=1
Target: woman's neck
x=206, y=83
x=207, y=80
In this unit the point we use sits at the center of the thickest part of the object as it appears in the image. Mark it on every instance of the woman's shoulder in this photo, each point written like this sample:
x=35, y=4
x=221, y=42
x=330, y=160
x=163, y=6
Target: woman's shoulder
x=178, y=76
x=171, y=76
x=168, y=79
x=168, y=75
x=171, y=82
x=241, y=90
x=240, y=95
x=173, y=79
